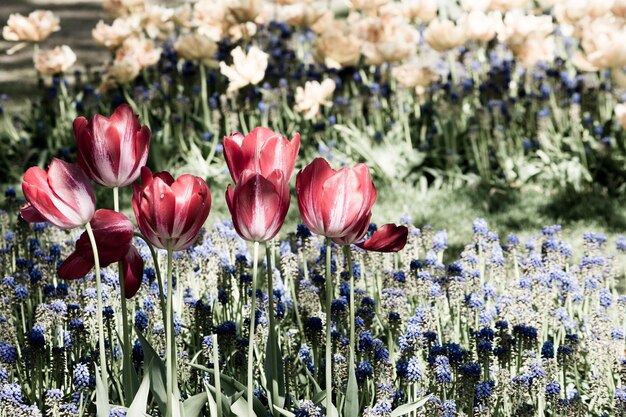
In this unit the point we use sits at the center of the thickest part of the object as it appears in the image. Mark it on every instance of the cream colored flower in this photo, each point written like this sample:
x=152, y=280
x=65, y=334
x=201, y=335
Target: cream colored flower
x=413, y=75
x=242, y=31
x=367, y=5
x=338, y=47
x=123, y=70
x=444, y=34
x=535, y=50
x=475, y=5
x=519, y=27
x=306, y=14
x=209, y=17
x=157, y=22
x=35, y=28
x=414, y=10
x=480, y=26
x=620, y=114
x=123, y=7
x=196, y=47
x=506, y=5
x=386, y=39
x=572, y=11
x=604, y=42
x=54, y=61
x=312, y=96
x=246, y=68
x=145, y=52
x=619, y=8
x=113, y=35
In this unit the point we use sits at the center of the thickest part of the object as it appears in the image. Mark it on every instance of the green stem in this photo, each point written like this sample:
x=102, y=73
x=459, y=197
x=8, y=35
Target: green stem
x=272, y=330
x=157, y=270
x=329, y=299
x=348, y=254
x=126, y=350
x=169, y=332
x=218, y=382
x=251, y=338
x=101, y=348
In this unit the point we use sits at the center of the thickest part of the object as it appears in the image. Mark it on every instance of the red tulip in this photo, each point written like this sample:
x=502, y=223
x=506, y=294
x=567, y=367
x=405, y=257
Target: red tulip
x=113, y=233
x=336, y=203
x=258, y=205
x=112, y=150
x=63, y=195
x=261, y=151
x=169, y=210
x=389, y=238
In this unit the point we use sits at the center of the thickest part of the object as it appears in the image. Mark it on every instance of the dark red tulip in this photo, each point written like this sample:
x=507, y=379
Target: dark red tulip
x=258, y=205
x=113, y=233
x=63, y=195
x=169, y=210
x=336, y=203
x=389, y=238
x=262, y=151
x=112, y=150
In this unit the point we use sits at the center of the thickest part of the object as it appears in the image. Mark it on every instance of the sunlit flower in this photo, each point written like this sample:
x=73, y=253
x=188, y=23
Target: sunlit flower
x=314, y=15
x=338, y=47
x=313, y=95
x=518, y=27
x=113, y=35
x=604, y=42
x=54, y=61
x=414, y=10
x=123, y=71
x=535, y=50
x=35, y=28
x=143, y=50
x=242, y=31
x=475, y=5
x=481, y=26
x=387, y=39
x=367, y=5
x=505, y=5
x=157, y=22
x=196, y=47
x=209, y=17
x=123, y=7
x=572, y=11
x=414, y=75
x=619, y=8
x=444, y=34
x=246, y=68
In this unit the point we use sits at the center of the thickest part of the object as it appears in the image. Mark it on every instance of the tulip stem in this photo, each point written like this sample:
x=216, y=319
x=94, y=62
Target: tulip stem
x=101, y=348
x=329, y=300
x=273, y=335
x=169, y=335
x=348, y=254
x=255, y=264
x=127, y=382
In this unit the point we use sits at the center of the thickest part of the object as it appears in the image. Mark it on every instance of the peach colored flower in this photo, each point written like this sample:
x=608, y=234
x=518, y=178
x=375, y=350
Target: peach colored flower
x=414, y=75
x=386, y=39
x=619, y=8
x=620, y=114
x=475, y=5
x=209, y=17
x=157, y=22
x=518, y=27
x=338, y=47
x=242, y=31
x=367, y=5
x=314, y=95
x=35, y=28
x=506, y=5
x=480, y=26
x=145, y=52
x=113, y=35
x=413, y=10
x=123, y=70
x=123, y=7
x=444, y=34
x=54, y=61
x=604, y=42
x=572, y=11
x=535, y=50
x=196, y=47
x=306, y=14
x=246, y=68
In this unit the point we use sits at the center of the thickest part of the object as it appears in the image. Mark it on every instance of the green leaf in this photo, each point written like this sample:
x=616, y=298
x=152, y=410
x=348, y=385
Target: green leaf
x=156, y=369
x=193, y=406
x=274, y=372
x=212, y=403
x=102, y=397
x=352, y=393
x=407, y=408
x=284, y=412
x=140, y=401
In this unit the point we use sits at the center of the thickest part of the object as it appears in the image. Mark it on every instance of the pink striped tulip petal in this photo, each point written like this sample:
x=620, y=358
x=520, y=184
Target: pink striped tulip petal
x=389, y=238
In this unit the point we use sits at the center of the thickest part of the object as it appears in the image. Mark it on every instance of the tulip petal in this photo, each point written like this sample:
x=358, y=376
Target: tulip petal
x=75, y=266
x=30, y=214
x=70, y=183
x=388, y=238
x=309, y=184
x=133, y=272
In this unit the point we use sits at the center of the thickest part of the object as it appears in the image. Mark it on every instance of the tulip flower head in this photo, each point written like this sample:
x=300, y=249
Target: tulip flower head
x=258, y=205
x=63, y=195
x=261, y=151
x=336, y=203
x=168, y=211
x=112, y=150
x=113, y=233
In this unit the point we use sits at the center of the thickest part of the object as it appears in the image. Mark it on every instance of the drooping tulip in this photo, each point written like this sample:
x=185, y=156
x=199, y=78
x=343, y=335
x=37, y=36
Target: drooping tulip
x=258, y=205
x=113, y=232
x=112, y=150
x=169, y=210
x=261, y=151
x=389, y=238
x=63, y=195
x=336, y=203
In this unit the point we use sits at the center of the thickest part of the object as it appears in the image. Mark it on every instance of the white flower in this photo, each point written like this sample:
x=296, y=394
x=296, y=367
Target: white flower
x=312, y=96
x=444, y=34
x=113, y=35
x=620, y=113
x=246, y=68
x=54, y=61
x=34, y=28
